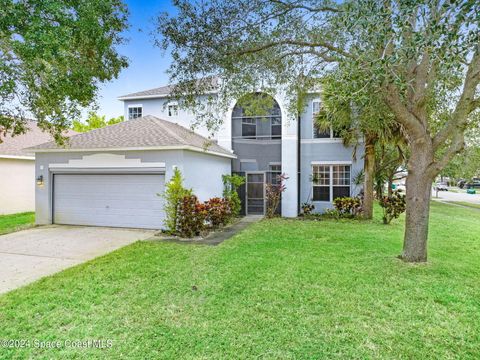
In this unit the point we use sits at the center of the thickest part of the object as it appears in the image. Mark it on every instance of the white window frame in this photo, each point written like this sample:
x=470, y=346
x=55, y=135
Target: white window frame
x=134, y=106
x=330, y=165
x=325, y=139
x=174, y=111
x=254, y=119
x=279, y=125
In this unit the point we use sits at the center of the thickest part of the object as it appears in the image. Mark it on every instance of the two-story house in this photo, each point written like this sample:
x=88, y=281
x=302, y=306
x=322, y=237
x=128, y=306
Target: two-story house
x=111, y=176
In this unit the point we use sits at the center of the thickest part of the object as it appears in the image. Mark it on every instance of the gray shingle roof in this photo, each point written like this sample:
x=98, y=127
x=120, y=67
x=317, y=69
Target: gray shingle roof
x=15, y=146
x=143, y=132
x=164, y=91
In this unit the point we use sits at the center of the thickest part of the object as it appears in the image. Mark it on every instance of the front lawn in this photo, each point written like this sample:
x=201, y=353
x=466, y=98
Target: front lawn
x=282, y=289
x=15, y=222
x=467, y=204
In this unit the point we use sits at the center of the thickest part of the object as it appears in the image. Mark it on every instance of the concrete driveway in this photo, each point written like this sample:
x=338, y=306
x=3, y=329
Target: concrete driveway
x=28, y=255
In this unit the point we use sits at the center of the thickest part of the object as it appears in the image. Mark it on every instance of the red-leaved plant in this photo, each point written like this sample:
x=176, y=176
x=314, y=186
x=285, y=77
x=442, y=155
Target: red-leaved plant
x=191, y=216
x=274, y=195
x=219, y=212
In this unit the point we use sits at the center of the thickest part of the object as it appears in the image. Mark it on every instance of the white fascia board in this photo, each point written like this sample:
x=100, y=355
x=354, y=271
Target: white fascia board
x=150, y=148
x=17, y=157
x=333, y=162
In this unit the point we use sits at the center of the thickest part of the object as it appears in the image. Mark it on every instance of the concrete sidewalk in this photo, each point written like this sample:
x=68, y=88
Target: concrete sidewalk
x=216, y=237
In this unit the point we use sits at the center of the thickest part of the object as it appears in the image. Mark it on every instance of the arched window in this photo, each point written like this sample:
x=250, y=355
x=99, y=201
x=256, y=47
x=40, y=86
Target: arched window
x=258, y=117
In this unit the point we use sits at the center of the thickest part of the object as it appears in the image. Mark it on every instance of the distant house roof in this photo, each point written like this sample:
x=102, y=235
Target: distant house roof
x=163, y=91
x=14, y=146
x=144, y=133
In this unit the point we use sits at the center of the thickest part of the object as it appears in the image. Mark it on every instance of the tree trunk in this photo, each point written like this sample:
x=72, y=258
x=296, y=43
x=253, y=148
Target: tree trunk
x=390, y=185
x=368, y=185
x=419, y=191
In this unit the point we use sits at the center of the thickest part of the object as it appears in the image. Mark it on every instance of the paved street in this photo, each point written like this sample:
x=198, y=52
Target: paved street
x=460, y=196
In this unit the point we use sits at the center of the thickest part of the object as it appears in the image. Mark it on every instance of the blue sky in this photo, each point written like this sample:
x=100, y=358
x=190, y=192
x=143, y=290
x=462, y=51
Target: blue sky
x=147, y=63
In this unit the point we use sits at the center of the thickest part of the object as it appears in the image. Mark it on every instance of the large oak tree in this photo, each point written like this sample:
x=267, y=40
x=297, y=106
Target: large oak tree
x=422, y=58
x=53, y=56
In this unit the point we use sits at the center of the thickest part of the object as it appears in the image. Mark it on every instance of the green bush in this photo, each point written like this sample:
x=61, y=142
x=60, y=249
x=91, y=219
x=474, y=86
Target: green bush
x=174, y=192
x=191, y=217
x=393, y=206
x=231, y=183
x=307, y=208
x=348, y=206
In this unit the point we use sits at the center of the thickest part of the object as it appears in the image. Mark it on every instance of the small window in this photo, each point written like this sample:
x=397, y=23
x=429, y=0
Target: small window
x=315, y=107
x=173, y=110
x=275, y=172
x=276, y=127
x=341, y=181
x=134, y=112
x=317, y=134
x=330, y=179
x=321, y=183
x=249, y=128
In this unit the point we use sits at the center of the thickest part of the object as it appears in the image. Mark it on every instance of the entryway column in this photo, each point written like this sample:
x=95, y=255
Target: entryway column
x=290, y=163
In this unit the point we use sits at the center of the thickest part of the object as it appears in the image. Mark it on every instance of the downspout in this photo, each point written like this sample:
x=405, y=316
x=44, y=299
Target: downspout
x=299, y=147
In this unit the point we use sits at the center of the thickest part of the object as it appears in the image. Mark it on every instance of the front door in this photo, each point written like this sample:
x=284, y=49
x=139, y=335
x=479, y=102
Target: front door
x=255, y=193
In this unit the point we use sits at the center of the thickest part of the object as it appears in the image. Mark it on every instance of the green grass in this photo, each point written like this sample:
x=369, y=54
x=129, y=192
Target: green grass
x=15, y=222
x=464, y=203
x=282, y=289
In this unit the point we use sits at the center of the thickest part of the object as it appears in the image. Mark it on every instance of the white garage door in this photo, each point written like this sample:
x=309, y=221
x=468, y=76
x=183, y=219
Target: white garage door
x=109, y=200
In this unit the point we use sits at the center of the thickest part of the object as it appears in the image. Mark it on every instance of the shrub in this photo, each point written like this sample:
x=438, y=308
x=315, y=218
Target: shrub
x=191, y=217
x=174, y=193
x=218, y=212
x=274, y=195
x=393, y=206
x=307, y=208
x=348, y=206
x=231, y=183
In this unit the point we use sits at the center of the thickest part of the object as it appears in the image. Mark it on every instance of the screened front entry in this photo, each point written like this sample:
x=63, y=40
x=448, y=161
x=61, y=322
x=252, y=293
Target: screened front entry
x=255, y=193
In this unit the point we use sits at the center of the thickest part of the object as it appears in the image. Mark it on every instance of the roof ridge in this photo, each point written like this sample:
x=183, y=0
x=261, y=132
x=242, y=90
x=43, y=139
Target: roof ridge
x=165, y=127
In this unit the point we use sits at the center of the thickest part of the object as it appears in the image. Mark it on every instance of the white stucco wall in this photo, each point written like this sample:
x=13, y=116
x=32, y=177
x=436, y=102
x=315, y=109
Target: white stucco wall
x=17, y=186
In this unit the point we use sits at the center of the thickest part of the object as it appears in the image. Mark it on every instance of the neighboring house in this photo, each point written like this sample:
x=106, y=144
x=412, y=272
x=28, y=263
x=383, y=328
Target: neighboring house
x=17, y=170
x=111, y=176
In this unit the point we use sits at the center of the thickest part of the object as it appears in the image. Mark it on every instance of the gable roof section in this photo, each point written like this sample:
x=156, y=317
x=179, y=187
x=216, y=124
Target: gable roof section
x=144, y=133
x=164, y=91
x=14, y=146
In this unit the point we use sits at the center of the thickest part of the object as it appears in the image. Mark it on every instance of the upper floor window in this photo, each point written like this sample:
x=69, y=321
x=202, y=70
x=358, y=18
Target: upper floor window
x=315, y=107
x=134, y=111
x=317, y=133
x=321, y=134
x=276, y=127
x=331, y=182
x=252, y=120
x=172, y=110
x=249, y=127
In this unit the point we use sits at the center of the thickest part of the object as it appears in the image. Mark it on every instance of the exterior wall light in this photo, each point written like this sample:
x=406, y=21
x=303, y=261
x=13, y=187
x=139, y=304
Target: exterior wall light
x=40, y=180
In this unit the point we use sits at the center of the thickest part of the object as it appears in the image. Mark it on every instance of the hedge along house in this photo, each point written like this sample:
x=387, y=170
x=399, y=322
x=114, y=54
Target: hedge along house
x=320, y=168
x=112, y=176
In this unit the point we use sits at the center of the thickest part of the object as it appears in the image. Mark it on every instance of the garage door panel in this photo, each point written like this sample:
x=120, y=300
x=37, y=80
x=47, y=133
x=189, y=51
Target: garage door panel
x=109, y=200
x=71, y=203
